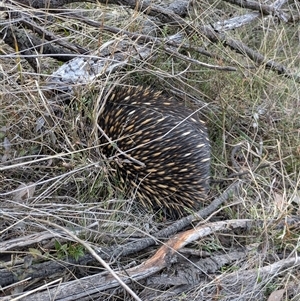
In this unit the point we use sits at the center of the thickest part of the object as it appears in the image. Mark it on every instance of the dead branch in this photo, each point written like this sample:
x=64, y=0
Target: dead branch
x=30, y=46
x=144, y=44
x=45, y=269
x=263, y=8
x=49, y=36
x=162, y=258
x=46, y=5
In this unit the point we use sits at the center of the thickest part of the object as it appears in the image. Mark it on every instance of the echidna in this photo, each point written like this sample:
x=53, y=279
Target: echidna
x=168, y=139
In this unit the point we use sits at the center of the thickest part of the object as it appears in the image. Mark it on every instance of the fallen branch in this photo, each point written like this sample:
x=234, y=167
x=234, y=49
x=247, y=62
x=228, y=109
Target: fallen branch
x=46, y=269
x=162, y=258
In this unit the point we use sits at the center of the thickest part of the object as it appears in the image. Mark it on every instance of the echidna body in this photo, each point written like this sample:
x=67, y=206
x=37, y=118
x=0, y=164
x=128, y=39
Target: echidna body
x=165, y=136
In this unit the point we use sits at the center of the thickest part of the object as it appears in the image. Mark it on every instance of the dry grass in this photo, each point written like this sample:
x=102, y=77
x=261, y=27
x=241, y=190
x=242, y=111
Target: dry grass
x=253, y=116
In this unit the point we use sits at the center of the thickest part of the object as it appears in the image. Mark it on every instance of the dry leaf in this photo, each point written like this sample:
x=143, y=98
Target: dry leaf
x=296, y=198
x=39, y=124
x=24, y=192
x=7, y=150
x=280, y=201
x=6, y=144
x=276, y=295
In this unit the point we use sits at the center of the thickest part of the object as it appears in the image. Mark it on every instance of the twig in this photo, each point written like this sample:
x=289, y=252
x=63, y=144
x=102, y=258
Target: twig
x=96, y=256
